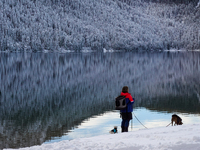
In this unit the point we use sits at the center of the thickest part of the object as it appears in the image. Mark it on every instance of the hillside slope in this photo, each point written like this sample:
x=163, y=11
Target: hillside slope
x=36, y=25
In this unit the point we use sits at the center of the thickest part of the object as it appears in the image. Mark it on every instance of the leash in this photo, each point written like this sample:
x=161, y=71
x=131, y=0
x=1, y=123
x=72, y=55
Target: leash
x=168, y=125
x=143, y=125
x=139, y=120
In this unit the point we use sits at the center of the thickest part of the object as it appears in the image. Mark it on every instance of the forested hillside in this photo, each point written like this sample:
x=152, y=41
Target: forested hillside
x=59, y=25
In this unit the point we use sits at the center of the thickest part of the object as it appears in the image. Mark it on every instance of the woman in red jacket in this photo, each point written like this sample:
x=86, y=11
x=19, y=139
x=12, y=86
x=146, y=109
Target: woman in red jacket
x=126, y=113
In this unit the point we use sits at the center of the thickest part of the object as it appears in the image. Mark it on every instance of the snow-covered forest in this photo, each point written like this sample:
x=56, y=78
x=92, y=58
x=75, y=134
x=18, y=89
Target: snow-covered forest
x=58, y=25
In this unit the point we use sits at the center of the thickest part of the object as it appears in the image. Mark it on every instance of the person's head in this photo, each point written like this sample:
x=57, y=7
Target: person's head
x=125, y=89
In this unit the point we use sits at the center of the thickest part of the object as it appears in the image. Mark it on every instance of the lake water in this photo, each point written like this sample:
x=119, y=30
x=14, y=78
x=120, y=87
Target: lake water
x=49, y=97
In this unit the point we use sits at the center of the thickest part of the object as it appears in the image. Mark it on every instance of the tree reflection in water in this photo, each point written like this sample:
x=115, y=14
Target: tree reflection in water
x=44, y=95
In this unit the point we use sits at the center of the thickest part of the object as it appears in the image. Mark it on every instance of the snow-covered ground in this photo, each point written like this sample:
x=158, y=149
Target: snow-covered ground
x=185, y=137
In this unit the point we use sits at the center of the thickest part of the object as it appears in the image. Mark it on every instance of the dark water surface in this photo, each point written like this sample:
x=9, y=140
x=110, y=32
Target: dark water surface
x=48, y=97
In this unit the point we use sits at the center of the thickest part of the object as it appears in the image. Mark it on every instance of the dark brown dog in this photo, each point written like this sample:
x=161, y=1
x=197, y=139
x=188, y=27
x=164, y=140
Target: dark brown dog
x=176, y=119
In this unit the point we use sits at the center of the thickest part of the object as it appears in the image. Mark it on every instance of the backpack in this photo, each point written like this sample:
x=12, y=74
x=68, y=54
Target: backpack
x=120, y=102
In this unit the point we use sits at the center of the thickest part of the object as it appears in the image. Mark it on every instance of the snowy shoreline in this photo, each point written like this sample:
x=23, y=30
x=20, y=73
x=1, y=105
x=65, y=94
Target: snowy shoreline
x=183, y=137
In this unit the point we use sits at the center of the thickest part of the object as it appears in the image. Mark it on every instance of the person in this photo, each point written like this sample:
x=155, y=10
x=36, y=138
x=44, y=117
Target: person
x=126, y=113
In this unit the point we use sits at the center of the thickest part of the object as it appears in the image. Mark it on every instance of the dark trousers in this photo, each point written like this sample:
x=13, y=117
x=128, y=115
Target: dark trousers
x=126, y=117
x=125, y=125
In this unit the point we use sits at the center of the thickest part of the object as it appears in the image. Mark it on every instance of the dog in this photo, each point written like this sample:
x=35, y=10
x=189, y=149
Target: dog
x=176, y=119
x=113, y=131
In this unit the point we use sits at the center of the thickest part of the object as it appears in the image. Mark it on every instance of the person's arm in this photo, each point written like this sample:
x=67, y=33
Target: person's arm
x=133, y=100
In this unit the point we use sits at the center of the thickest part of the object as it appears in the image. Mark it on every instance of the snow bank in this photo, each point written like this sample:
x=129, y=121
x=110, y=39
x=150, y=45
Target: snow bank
x=172, y=138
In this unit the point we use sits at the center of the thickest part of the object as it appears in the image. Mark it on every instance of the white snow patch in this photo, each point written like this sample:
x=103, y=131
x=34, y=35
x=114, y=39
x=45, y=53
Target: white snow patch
x=173, y=137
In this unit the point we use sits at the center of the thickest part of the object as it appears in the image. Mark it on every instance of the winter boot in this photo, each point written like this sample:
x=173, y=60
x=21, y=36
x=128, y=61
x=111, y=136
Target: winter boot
x=125, y=129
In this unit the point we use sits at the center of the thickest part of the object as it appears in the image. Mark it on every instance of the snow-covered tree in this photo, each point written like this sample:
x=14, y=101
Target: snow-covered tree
x=117, y=24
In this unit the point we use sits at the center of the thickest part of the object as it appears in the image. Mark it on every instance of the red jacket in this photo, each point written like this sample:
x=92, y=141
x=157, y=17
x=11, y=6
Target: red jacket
x=129, y=102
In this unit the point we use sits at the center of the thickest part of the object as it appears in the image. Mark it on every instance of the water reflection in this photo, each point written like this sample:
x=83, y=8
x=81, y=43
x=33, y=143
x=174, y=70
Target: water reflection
x=45, y=95
x=187, y=104
x=102, y=124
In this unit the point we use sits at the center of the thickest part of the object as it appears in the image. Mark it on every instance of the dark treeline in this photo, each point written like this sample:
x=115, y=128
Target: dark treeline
x=194, y=2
